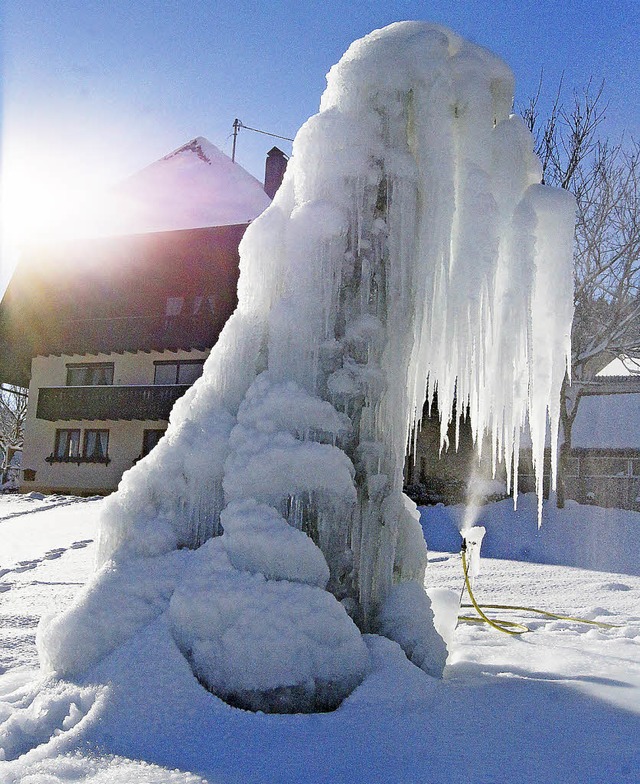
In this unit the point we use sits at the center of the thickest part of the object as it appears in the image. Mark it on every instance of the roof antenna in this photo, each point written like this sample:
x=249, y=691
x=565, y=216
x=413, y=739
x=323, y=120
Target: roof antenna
x=236, y=127
x=237, y=124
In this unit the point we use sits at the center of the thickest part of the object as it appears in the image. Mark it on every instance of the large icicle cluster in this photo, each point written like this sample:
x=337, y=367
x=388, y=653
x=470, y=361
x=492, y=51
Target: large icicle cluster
x=410, y=248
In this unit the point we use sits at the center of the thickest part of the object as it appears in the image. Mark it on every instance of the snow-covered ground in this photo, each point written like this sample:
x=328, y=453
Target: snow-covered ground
x=560, y=704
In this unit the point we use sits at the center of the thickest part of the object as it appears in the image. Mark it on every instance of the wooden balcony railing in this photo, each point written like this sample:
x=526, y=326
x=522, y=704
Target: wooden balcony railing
x=153, y=402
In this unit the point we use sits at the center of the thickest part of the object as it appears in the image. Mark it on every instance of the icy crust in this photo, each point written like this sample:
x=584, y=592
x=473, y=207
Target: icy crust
x=121, y=599
x=410, y=249
x=261, y=644
x=258, y=539
x=406, y=616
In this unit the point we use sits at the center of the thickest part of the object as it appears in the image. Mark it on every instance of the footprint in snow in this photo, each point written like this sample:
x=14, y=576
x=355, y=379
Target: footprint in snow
x=83, y=543
x=25, y=566
x=5, y=587
x=51, y=554
x=616, y=587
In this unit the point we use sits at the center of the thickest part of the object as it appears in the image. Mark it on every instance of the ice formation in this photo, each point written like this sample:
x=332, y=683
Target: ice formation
x=410, y=248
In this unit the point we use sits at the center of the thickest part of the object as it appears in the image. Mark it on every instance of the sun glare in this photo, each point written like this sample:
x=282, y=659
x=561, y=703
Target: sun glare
x=49, y=195
x=44, y=200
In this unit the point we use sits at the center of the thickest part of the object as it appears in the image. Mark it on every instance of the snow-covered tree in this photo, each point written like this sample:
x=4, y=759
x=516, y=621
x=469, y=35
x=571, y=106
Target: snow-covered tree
x=605, y=179
x=13, y=411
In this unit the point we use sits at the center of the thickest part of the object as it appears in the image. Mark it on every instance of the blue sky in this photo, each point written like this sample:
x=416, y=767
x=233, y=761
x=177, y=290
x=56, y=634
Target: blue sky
x=99, y=89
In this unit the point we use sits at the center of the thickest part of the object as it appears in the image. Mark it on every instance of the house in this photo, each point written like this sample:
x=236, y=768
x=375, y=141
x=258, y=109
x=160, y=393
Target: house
x=108, y=331
x=604, y=466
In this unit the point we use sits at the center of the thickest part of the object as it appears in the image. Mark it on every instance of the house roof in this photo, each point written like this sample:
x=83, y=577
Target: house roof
x=607, y=422
x=621, y=366
x=195, y=186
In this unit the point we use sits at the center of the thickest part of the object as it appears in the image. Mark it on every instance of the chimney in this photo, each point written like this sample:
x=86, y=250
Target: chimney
x=274, y=170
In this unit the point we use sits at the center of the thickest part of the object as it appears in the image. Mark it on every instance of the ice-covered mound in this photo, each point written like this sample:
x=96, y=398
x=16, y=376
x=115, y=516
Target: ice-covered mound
x=410, y=247
x=257, y=538
x=265, y=644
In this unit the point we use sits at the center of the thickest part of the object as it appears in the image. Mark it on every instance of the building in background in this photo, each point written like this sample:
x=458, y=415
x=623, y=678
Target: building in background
x=108, y=331
x=604, y=466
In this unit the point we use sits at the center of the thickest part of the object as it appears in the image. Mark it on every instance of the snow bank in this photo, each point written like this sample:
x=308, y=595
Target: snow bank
x=410, y=247
x=589, y=537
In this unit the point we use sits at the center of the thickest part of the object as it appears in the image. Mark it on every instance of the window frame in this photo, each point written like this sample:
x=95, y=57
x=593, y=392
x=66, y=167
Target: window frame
x=178, y=363
x=80, y=455
x=95, y=458
x=92, y=368
x=145, y=436
x=63, y=458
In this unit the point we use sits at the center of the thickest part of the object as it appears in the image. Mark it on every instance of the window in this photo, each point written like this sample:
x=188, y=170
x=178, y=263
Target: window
x=203, y=305
x=96, y=443
x=174, y=306
x=149, y=440
x=197, y=305
x=67, y=444
x=89, y=375
x=604, y=466
x=178, y=372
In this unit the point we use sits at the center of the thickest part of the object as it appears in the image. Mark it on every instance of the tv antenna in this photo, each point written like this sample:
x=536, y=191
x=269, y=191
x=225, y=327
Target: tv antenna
x=237, y=124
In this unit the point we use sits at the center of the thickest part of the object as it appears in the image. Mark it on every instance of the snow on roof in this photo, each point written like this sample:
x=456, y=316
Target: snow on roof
x=621, y=366
x=195, y=186
x=608, y=422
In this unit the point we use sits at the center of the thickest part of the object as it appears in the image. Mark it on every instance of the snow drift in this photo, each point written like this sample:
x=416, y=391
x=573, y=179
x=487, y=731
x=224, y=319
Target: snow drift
x=410, y=247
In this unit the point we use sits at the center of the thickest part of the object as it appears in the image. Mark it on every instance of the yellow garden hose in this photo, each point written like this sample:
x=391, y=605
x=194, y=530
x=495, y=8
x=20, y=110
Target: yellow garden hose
x=509, y=627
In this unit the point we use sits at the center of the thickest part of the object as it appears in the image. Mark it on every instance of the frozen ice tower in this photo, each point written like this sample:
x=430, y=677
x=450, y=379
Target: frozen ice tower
x=410, y=248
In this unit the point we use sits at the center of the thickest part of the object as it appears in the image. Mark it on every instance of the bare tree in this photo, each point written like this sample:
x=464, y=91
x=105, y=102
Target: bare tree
x=13, y=411
x=604, y=178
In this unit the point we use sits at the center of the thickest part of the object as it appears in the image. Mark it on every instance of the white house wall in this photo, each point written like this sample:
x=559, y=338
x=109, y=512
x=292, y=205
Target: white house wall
x=125, y=437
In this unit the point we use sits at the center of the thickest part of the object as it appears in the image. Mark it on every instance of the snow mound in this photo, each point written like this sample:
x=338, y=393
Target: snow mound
x=269, y=645
x=407, y=617
x=258, y=539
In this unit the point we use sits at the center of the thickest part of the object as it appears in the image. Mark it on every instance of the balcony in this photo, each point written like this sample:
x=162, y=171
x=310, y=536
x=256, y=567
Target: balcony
x=108, y=402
